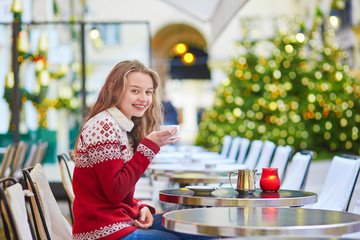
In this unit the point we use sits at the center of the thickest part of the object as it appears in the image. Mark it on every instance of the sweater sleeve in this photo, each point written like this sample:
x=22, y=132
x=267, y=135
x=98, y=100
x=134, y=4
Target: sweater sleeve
x=116, y=177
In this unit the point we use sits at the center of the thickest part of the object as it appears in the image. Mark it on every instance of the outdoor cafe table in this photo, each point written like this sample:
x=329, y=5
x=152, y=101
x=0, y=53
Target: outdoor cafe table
x=193, y=177
x=208, y=160
x=230, y=198
x=191, y=157
x=197, y=177
x=258, y=221
x=194, y=167
x=182, y=148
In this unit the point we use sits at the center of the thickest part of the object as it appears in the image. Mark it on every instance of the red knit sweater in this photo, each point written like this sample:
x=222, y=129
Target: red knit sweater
x=105, y=175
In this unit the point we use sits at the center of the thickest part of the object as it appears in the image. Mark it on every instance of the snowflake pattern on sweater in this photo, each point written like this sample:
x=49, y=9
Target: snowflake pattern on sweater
x=103, y=143
x=103, y=232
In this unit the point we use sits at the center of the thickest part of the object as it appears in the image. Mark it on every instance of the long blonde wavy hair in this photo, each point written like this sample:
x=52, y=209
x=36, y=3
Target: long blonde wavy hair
x=110, y=97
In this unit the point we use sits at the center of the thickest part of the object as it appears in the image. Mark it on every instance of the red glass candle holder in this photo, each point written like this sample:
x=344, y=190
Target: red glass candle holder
x=269, y=181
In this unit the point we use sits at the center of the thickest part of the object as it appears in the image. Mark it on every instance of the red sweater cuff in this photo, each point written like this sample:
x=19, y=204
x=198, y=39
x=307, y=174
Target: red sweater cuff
x=150, y=144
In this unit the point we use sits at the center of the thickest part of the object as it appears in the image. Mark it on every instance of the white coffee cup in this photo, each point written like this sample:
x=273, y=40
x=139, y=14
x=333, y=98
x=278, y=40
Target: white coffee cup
x=168, y=127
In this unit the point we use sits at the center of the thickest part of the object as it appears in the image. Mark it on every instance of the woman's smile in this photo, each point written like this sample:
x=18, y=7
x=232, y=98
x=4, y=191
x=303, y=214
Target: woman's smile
x=139, y=106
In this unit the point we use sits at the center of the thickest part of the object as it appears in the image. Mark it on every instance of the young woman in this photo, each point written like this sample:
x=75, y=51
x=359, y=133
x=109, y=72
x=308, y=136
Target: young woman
x=116, y=144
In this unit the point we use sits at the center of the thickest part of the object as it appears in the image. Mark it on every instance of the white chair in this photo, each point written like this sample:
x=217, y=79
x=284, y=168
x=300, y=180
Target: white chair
x=265, y=155
x=254, y=153
x=32, y=155
x=7, y=160
x=244, y=147
x=49, y=221
x=281, y=158
x=16, y=220
x=339, y=184
x=67, y=167
x=297, y=170
x=226, y=145
x=355, y=210
x=234, y=149
x=19, y=158
x=41, y=153
x=36, y=155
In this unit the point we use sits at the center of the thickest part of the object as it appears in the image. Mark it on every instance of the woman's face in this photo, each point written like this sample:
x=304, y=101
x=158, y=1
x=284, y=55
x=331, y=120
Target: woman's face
x=137, y=96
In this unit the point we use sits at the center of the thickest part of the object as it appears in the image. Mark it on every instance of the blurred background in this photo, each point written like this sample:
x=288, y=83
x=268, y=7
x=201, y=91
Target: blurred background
x=281, y=70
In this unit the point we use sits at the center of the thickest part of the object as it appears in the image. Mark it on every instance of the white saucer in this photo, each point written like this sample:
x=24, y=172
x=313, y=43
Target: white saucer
x=201, y=189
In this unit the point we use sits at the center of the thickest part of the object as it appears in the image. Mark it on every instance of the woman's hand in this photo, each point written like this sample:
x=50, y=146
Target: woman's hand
x=145, y=219
x=161, y=138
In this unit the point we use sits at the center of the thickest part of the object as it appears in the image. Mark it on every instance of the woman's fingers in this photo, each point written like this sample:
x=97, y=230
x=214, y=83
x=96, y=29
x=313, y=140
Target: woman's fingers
x=169, y=132
x=162, y=138
x=141, y=225
x=172, y=141
x=145, y=218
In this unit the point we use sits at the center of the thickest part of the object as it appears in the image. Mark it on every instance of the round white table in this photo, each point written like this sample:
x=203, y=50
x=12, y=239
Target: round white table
x=218, y=167
x=249, y=221
x=230, y=198
x=193, y=177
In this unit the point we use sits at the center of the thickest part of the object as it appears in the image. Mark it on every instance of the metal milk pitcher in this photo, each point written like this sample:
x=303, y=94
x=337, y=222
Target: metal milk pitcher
x=245, y=181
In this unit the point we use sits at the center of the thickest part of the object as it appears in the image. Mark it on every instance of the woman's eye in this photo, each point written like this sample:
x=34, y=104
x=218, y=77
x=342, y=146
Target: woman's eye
x=149, y=92
x=135, y=91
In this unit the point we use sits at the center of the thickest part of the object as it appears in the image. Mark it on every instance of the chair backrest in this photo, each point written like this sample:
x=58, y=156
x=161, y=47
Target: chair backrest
x=244, y=147
x=356, y=199
x=32, y=155
x=7, y=160
x=297, y=170
x=281, y=158
x=355, y=210
x=234, y=149
x=254, y=153
x=226, y=145
x=265, y=155
x=50, y=222
x=67, y=167
x=40, y=153
x=339, y=184
x=19, y=158
x=16, y=221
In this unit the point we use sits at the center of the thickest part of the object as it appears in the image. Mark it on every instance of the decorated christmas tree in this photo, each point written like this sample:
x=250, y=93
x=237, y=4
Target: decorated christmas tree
x=300, y=93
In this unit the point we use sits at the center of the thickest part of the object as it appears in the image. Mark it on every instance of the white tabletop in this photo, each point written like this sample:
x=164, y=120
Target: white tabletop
x=208, y=160
x=195, y=167
x=183, y=148
x=230, y=198
x=193, y=177
x=189, y=155
x=258, y=221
